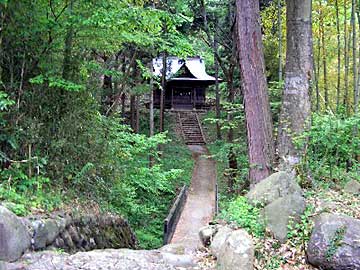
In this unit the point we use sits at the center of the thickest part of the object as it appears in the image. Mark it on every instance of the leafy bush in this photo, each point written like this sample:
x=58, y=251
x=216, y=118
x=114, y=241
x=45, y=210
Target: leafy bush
x=245, y=215
x=299, y=233
x=78, y=154
x=333, y=147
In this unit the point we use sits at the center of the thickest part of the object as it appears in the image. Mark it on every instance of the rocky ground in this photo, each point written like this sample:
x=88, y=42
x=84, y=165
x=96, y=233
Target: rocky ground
x=168, y=258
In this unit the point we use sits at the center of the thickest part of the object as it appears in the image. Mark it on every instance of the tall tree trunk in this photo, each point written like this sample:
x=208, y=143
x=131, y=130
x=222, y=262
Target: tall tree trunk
x=132, y=111
x=137, y=114
x=233, y=166
x=324, y=56
x=123, y=104
x=354, y=49
x=151, y=113
x=338, y=56
x=256, y=99
x=357, y=89
x=280, y=39
x=296, y=108
x=217, y=91
x=317, y=66
x=67, y=64
x=346, y=59
x=162, y=93
x=214, y=43
x=2, y=22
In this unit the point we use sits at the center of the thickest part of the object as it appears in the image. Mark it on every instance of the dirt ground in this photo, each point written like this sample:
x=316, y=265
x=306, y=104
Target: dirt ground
x=200, y=205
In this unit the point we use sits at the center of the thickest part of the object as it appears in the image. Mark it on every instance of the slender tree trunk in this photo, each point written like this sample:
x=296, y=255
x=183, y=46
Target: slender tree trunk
x=346, y=59
x=280, y=39
x=354, y=49
x=151, y=114
x=338, y=56
x=256, y=99
x=67, y=64
x=233, y=166
x=2, y=22
x=137, y=114
x=123, y=104
x=324, y=56
x=132, y=111
x=357, y=89
x=318, y=75
x=217, y=91
x=214, y=43
x=296, y=108
x=162, y=93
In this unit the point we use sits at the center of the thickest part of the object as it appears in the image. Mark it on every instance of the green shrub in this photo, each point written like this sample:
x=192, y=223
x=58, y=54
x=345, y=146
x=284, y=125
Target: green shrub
x=333, y=147
x=244, y=215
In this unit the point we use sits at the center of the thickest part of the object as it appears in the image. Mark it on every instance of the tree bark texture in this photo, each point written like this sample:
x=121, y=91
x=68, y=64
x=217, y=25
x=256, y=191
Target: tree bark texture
x=279, y=7
x=256, y=99
x=296, y=108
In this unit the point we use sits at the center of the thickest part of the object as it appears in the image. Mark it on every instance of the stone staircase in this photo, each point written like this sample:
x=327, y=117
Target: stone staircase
x=191, y=128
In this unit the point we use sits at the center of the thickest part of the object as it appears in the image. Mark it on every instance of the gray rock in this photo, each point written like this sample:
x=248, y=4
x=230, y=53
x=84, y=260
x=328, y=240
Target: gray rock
x=219, y=240
x=273, y=187
x=109, y=259
x=178, y=249
x=352, y=187
x=14, y=236
x=237, y=252
x=206, y=234
x=45, y=232
x=335, y=243
x=278, y=214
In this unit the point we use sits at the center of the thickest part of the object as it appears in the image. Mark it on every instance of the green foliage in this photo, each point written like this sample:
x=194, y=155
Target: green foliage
x=245, y=215
x=333, y=147
x=299, y=232
x=5, y=102
x=274, y=263
x=27, y=192
x=57, y=82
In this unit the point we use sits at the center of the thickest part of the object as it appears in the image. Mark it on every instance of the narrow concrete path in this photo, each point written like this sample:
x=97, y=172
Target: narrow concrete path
x=200, y=205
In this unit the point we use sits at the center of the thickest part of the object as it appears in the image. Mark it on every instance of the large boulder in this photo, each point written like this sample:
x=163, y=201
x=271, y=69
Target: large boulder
x=14, y=236
x=110, y=259
x=352, y=187
x=219, y=239
x=335, y=243
x=272, y=188
x=279, y=213
x=206, y=234
x=46, y=231
x=237, y=252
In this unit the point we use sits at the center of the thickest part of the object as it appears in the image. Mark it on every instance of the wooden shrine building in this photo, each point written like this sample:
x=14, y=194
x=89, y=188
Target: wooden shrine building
x=186, y=83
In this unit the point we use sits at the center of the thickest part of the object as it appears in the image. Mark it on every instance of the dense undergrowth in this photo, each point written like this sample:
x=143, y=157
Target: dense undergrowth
x=82, y=159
